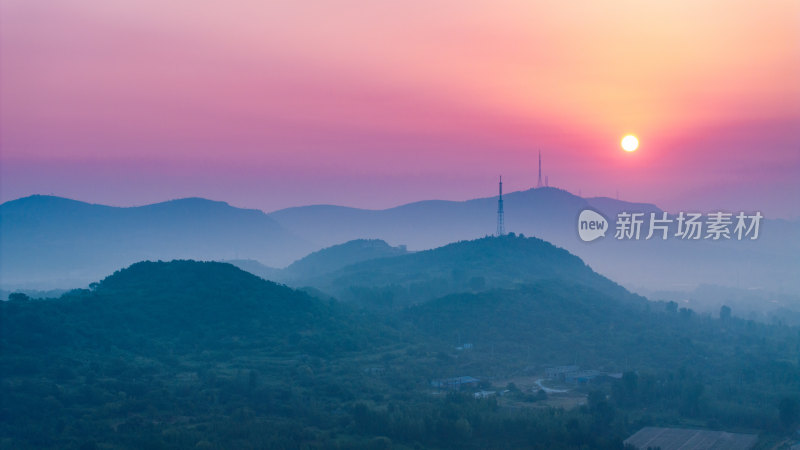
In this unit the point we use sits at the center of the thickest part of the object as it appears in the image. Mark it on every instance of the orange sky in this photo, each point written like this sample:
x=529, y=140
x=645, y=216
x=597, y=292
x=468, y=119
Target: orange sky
x=387, y=95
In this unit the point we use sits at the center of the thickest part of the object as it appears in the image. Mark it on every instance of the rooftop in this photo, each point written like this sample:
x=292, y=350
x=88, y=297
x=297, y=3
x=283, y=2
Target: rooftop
x=686, y=439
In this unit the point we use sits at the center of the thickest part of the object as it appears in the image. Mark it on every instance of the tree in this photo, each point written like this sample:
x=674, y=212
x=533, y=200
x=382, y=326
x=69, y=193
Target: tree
x=462, y=429
x=18, y=297
x=630, y=380
x=725, y=312
x=600, y=409
x=672, y=307
x=691, y=401
x=626, y=391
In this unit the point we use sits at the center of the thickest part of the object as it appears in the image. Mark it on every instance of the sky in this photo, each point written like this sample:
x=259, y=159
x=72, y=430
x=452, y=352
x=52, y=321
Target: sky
x=271, y=104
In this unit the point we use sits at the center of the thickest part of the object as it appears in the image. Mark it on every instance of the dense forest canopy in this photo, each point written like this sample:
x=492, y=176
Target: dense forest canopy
x=473, y=266
x=187, y=354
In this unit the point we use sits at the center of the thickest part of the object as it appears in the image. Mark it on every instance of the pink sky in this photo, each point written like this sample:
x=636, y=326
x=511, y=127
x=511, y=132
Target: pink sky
x=374, y=104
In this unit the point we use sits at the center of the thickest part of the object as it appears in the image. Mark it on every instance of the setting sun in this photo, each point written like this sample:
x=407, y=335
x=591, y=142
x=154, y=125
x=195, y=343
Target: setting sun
x=630, y=143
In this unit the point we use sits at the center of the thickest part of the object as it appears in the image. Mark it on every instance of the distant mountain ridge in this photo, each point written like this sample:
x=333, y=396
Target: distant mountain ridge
x=49, y=242
x=551, y=214
x=67, y=243
x=433, y=223
x=323, y=261
x=338, y=256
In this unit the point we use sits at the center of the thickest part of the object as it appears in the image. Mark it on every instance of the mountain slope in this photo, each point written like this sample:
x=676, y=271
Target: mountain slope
x=551, y=214
x=333, y=258
x=555, y=321
x=189, y=355
x=323, y=261
x=465, y=266
x=565, y=323
x=191, y=305
x=51, y=241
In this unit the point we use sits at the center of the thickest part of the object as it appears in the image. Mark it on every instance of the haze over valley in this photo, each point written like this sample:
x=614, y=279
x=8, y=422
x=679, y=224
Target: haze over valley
x=55, y=243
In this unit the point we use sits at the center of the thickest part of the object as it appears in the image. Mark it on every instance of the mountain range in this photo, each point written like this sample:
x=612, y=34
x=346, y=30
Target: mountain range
x=50, y=242
x=551, y=214
x=189, y=354
x=53, y=242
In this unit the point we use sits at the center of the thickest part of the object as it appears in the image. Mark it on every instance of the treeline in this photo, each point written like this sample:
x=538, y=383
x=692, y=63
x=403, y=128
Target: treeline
x=202, y=355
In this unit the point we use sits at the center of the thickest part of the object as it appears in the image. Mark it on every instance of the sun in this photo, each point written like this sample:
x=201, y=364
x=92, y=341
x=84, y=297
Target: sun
x=630, y=143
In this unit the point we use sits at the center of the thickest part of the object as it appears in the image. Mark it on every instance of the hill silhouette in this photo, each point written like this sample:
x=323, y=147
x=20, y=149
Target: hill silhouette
x=335, y=257
x=55, y=242
x=467, y=266
x=257, y=268
x=322, y=261
x=50, y=242
x=551, y=214
x=189, y=304
x=433, y=223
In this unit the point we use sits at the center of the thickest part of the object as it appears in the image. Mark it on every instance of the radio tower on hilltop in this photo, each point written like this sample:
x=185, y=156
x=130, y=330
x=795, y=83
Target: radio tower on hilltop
x=539, y=184
x=501, y=227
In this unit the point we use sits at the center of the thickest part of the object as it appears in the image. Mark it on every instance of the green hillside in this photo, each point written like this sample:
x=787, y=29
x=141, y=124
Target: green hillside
x=188, y=355
x=466, y=266
x=336, y=257
x=186, y=304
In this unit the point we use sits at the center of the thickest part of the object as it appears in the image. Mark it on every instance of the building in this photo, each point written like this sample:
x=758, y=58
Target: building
x=687, y=439
x=559, y=371
x=581, y=376
x=455, y=383
x=484, y=394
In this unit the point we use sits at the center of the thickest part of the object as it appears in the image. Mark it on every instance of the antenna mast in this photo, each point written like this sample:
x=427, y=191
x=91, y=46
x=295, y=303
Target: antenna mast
x=501, y=227
x=539, y=184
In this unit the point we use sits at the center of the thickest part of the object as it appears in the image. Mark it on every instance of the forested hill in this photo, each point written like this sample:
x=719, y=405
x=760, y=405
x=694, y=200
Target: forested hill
x=466, y=266
x=322, y=262
x=188, y=355
x=183, y=303
x=338, y=256
x=565, y=323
